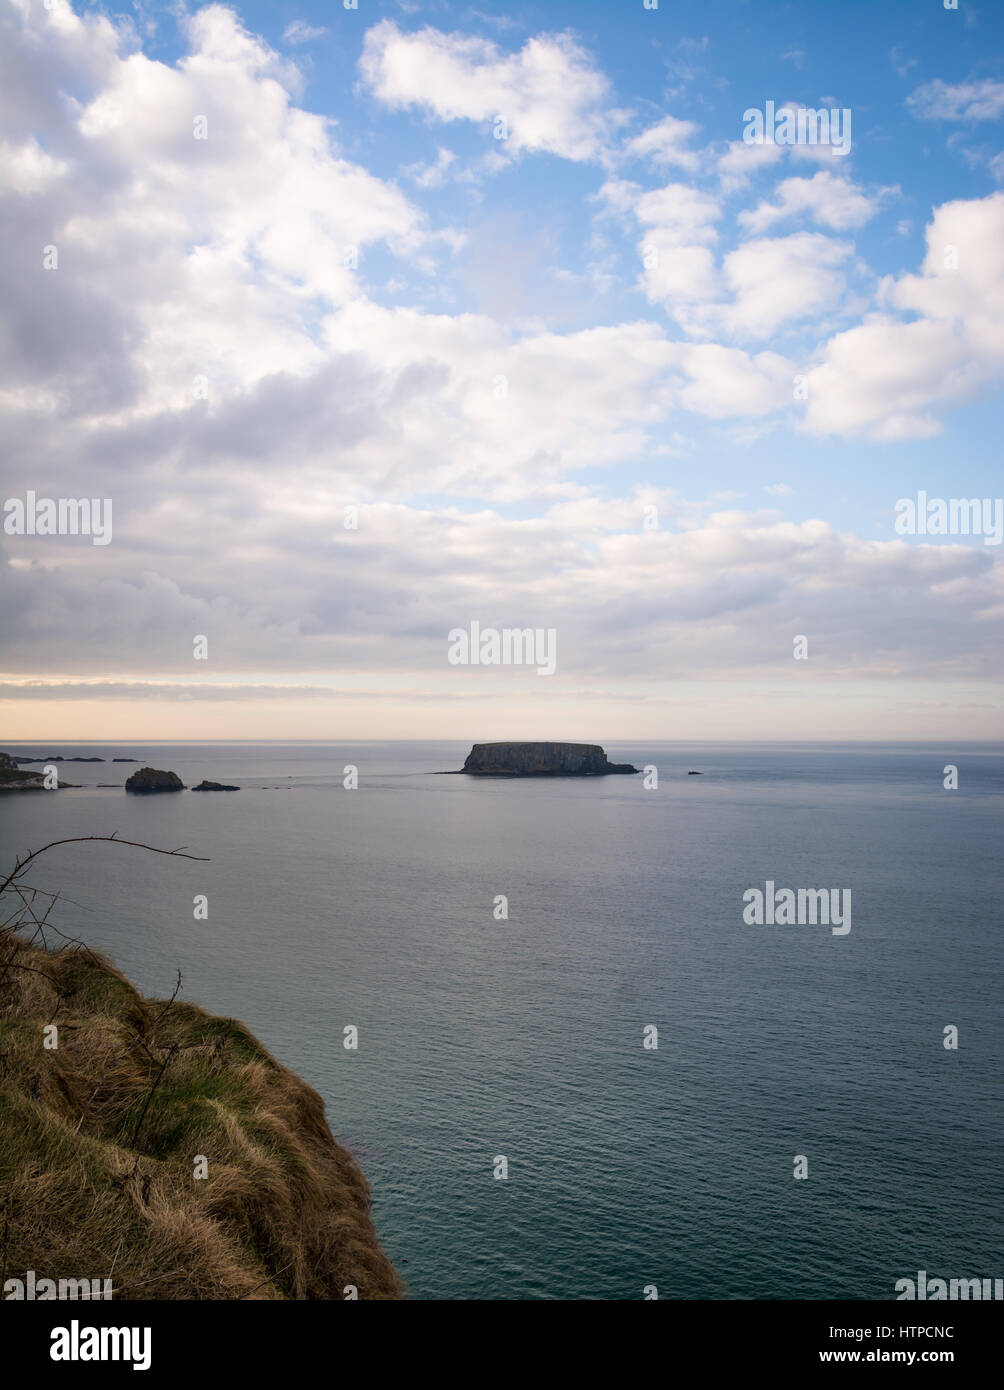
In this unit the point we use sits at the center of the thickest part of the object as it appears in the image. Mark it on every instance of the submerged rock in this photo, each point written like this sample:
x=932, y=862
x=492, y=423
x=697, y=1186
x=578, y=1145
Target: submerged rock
x=151, y=779
x=541, y=760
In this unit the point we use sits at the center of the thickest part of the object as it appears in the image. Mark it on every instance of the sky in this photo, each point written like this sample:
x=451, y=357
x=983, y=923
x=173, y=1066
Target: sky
x=374, y=323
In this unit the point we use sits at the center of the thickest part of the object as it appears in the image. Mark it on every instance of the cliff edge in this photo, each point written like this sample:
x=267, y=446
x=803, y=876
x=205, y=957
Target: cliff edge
x=149, y=1143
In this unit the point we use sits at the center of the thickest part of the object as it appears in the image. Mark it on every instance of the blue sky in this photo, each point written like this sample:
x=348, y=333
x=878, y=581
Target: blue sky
x=521, y=261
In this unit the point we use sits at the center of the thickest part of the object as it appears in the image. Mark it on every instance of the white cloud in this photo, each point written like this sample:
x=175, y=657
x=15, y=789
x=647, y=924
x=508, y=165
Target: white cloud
x=740, y=162
x=887, y=377
x=705, y=594
x=302, y=32
x=550, y=94
x=678, y=276
x=28, y=169
x=900, y=62
x=182, y=256
x=678, y=263
x=963, y=101
x=433, y=175
x=666, y=143
x=761, y=286
x=618, y=196
x=727, y=382
x=830, y=201
x=681, y=212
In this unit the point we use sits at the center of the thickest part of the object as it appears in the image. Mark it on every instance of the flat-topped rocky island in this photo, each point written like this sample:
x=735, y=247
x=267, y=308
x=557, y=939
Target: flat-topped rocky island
x=541, y=760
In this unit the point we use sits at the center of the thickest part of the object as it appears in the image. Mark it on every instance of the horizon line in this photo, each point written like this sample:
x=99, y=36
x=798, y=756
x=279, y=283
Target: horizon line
x=315, y=742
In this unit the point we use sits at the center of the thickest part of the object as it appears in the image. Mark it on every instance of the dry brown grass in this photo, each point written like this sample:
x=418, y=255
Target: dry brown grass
x=284, y=1211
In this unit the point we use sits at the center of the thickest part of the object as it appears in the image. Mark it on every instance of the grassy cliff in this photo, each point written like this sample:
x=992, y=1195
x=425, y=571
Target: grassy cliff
x=101, y=1135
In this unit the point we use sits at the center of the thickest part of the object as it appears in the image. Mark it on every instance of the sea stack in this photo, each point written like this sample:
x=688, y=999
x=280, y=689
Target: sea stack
x=151, y=779
x=541, y=760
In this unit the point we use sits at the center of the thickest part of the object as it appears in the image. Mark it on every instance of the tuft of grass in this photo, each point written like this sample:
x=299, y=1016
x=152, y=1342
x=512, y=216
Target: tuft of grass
x=100, y=1137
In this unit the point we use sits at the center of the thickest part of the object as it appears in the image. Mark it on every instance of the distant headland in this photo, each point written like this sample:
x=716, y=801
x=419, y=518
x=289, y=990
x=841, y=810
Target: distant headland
x=540, y=760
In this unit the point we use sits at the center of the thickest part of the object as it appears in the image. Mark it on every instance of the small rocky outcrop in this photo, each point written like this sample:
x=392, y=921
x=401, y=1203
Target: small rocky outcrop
x=541, y=760
x=205, y=786
x=151, y=779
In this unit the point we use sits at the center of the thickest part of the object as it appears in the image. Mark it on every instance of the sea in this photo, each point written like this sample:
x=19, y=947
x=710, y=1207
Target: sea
x=579, y=1072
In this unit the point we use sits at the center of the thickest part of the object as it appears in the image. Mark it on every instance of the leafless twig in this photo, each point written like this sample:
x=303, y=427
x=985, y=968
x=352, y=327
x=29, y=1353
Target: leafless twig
x=22, y=864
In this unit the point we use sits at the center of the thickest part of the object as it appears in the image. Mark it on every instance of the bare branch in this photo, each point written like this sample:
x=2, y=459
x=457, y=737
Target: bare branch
x=139, y=1122
x=22, y=864
x=156, y=1021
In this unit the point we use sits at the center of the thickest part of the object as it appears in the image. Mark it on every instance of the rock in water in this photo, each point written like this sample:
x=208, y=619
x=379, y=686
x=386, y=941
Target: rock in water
x=150, y=779
x=541, y=760
x=214, y=787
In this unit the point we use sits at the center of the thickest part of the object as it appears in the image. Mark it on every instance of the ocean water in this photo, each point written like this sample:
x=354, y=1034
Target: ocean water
x=523, y=1038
